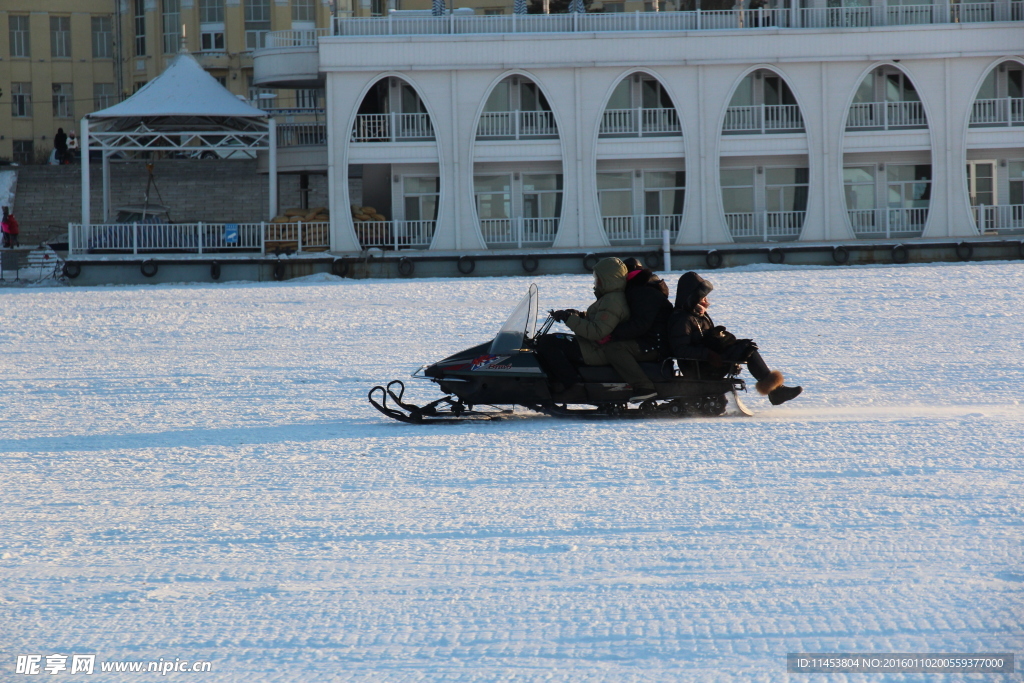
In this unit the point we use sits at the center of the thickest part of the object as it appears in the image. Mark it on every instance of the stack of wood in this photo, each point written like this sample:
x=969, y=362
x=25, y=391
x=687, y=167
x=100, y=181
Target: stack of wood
x=368, y=234
x=283, y=230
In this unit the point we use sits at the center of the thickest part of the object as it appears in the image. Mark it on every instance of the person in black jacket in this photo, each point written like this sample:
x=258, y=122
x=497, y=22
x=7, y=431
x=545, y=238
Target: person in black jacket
x=643, y=337
x=693, y=335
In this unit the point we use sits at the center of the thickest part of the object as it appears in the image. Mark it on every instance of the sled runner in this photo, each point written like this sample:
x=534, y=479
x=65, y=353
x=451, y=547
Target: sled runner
x=506, y=371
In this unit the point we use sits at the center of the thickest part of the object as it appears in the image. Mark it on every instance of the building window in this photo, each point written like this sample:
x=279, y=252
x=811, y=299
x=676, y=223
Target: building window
x=615, y=193
x=421, y=198
x=304, y=10
x=171, y=20
x=737, y=190
x=140, y=28
x=785, y=189
x=103, y=95
x=307, y=99
x=542, y=195
x=664, y=192
x=21, y=100
x=909, y=186
x=211, y=38
x=211, y=11
x=24, y=154
x=102, y=38
x=60, y=36
x=63, y=101
x=257, y=23
x=378, y=8
x=18, y=25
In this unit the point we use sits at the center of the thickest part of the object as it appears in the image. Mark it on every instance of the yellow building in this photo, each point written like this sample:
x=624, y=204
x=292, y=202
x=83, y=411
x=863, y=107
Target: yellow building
x=62, y=59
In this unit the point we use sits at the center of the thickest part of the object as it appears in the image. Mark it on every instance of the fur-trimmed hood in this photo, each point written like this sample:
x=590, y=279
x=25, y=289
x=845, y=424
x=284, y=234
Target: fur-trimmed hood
x=690, y=290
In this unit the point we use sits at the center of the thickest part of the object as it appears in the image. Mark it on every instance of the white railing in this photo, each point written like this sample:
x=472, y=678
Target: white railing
x=897, y=222
x=296, y=134
x=395, y=234
x=641, y=229
x=640, y=122
x=1004, y=218
x=763, y=118
x=810, y=18
x=392, y=127
x=296, y=37
x=886, y=115
x=768, y=226
x=516, y=125
x=1005, y=111
x=506, y=233
x=198, y=238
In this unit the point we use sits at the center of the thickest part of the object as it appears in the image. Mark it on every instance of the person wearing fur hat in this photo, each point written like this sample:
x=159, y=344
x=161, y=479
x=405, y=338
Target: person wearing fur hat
x=693, y=335
x=561, y=354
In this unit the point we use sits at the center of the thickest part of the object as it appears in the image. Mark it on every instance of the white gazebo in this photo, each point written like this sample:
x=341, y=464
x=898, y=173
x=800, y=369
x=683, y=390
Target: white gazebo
x=182, y=109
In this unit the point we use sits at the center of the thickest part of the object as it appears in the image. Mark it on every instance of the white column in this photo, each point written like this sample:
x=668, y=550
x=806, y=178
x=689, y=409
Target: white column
x=272, y=166
x=85, y=176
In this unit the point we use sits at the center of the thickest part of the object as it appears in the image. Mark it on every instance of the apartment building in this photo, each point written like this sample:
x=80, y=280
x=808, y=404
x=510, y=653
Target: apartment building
x=62, y=59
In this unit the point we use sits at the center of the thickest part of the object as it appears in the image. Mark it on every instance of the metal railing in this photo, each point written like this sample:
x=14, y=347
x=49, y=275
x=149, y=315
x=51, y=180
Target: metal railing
x=297, y=134
x=197, y=238
x=507, y=233
x=999, y=218
x=886, y=115
x=395, y=234
x=640, y=122
x=628, y=230
x=767, y=226
x=763, y=118
x=516, y=125
x=1005, y=111
x=892, y=222
x=392, y=127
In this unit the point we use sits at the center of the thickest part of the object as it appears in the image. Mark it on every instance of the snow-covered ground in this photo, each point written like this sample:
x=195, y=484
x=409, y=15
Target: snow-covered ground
x=193, y=472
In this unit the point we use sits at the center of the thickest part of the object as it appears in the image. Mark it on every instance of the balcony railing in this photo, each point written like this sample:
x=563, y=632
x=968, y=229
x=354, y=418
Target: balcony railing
x=886, y=116
x=297, y=134
x=516, y=125
x=640, y=122
x=766, y=226
x=1005, y=111
x=887, y=223
x=392, y=127
x=1008, y=218
x=628, y=230
x=295, y=38
x=809, y=18
x=507, y=233
x=395, y=234
x=197, y=238
x=763, y=118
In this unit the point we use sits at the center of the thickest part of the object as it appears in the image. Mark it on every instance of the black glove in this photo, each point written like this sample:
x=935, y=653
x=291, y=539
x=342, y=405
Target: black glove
x=741, y=351
x=560, y=316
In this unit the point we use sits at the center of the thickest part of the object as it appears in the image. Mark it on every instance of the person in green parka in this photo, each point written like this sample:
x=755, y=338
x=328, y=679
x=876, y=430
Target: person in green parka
x=561, y=354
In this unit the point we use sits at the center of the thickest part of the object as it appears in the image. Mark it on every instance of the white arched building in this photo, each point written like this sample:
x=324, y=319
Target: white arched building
x=582, y=131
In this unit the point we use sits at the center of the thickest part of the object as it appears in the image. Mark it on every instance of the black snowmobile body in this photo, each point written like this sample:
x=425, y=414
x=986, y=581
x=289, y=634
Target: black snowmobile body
x=507, y=372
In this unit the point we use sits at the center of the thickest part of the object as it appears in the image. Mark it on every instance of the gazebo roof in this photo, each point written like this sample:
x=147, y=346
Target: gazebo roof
x=183, y=90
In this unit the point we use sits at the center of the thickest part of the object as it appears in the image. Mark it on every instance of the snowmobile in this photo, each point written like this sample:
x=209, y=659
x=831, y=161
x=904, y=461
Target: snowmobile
x=506, y=371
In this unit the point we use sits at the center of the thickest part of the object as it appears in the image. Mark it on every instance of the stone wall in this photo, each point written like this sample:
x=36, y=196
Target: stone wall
x=49, y=197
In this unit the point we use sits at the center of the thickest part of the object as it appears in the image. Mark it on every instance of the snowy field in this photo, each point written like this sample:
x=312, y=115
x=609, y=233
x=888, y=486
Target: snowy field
x=193, y=472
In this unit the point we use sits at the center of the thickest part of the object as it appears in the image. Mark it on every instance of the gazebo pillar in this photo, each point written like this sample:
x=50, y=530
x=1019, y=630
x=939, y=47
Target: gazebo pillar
x=272, y=164
x=86, y=190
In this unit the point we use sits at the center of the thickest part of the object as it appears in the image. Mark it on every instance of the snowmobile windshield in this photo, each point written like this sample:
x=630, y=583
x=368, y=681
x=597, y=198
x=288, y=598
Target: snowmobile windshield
x=521, y=324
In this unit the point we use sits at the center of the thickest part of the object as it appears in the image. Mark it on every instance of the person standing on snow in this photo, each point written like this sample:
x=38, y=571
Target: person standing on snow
x=693, y=335
x=9, y=226
x=561, y=354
